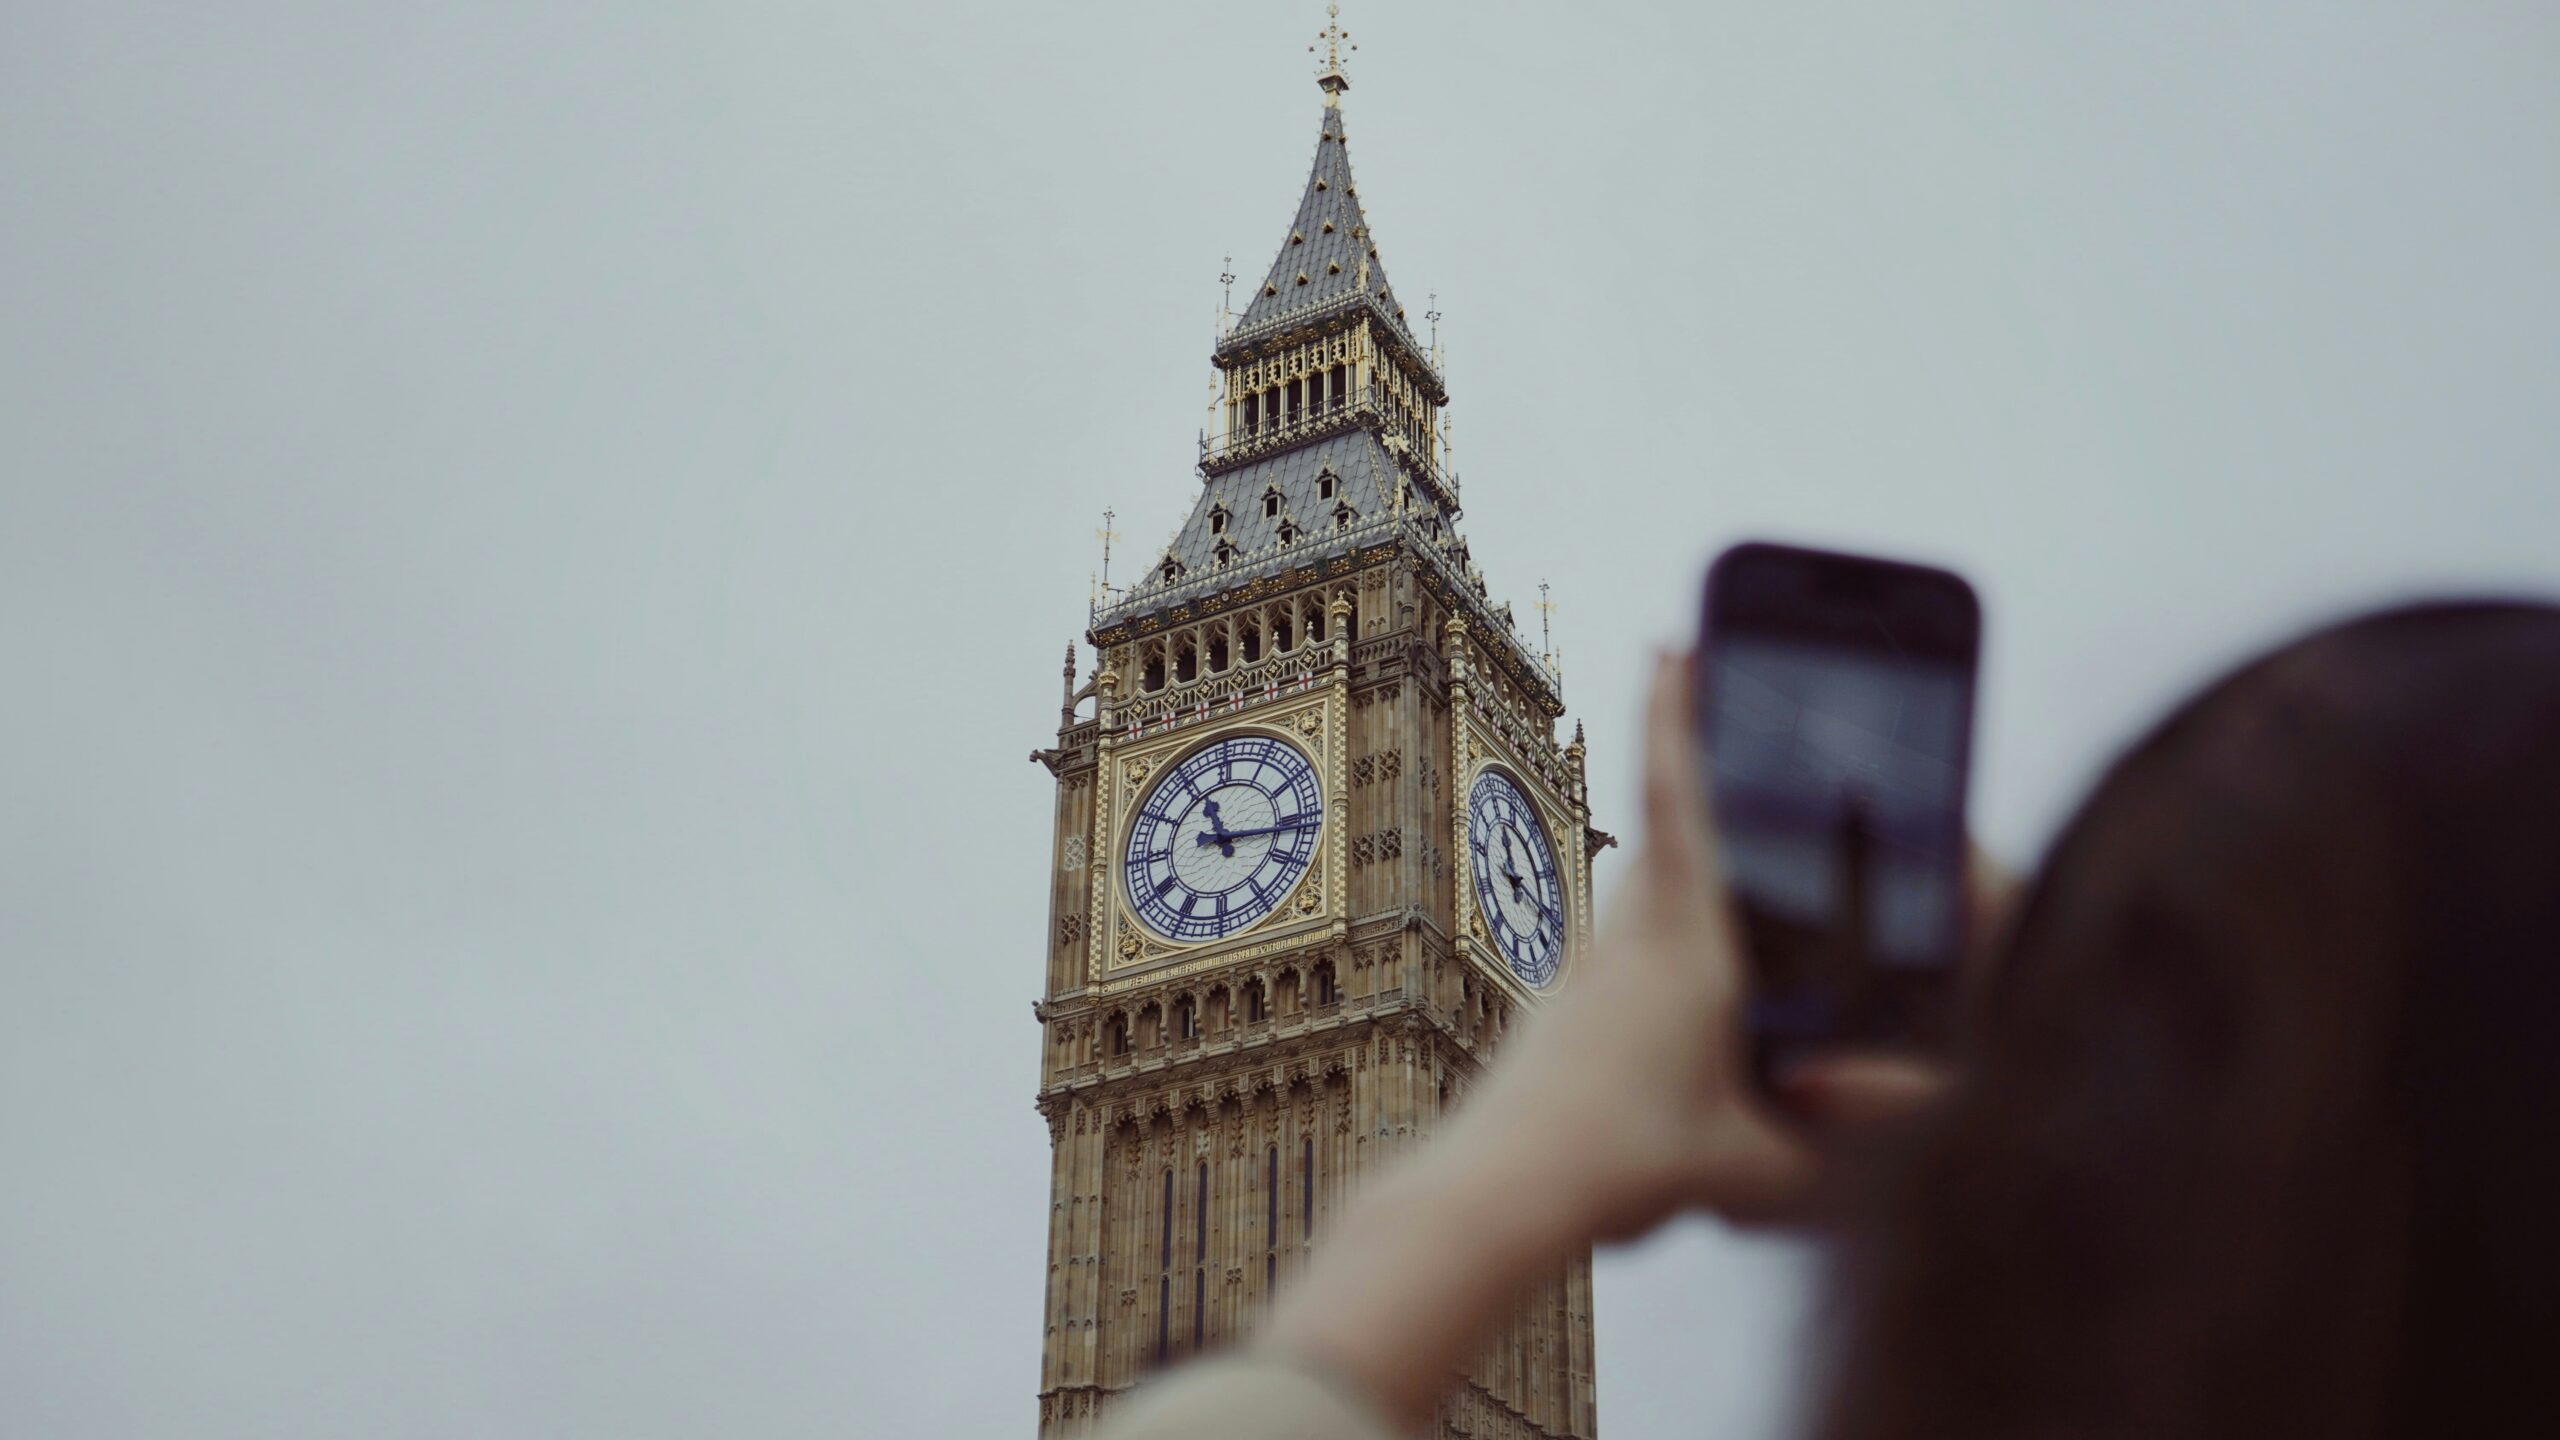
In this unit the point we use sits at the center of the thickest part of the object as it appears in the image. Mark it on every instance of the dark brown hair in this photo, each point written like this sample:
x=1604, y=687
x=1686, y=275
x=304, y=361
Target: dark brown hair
x=2255, y=1129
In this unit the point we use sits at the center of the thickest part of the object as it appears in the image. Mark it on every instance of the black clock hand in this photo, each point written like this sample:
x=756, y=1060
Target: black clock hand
x=1508, y=873
x=1303, y=823
x=1225, y=846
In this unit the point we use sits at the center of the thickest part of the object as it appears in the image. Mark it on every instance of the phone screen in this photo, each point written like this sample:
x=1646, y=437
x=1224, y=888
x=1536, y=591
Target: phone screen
x=1837, y=722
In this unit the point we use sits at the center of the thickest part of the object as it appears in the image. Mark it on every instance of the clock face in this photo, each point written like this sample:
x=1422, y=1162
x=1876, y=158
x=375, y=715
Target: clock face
x=1222, y=837
x=1516, y=886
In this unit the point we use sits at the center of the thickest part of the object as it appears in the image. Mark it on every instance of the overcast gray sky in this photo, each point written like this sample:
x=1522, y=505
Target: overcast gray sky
x=534, y=539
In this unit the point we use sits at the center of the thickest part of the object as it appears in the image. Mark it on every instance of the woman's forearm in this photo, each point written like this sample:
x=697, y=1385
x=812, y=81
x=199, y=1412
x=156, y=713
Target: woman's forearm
x=1424, y=1270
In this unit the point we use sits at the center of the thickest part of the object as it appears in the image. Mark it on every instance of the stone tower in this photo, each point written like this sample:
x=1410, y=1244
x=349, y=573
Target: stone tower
x=1317, y=849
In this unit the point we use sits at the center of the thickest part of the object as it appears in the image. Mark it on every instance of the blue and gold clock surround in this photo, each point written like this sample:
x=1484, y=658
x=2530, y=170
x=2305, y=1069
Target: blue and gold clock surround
x=1222, y=838
x=1518, y=893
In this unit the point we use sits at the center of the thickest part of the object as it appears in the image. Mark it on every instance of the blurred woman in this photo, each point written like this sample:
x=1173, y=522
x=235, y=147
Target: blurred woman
x=2251, y=1131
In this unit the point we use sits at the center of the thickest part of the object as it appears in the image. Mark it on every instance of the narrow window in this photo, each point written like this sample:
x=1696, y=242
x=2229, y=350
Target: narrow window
x=1253, y=1009
x=1164, y=1276
x=1270, y=504
x=1270, y=1222
x=1119, y=1034
x=1306, y=1190
x=1297, y=395
x=1153, y=678
x=1324, y=487
x=1283, y=638
x=1200, y=1261
x=1252, y=642
x=1252, y=413
x=1336, y=387
x=1218, y=518
x=1186, y=662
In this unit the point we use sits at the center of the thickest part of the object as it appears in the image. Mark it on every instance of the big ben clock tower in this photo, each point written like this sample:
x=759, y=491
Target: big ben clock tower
x=1317, y=851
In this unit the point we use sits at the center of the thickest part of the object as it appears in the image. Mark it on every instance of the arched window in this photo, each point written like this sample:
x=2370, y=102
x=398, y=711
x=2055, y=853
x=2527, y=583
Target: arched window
x=1325, y=993
x=1255, y=1007
x=1119, y=1032
x=1186, y=1019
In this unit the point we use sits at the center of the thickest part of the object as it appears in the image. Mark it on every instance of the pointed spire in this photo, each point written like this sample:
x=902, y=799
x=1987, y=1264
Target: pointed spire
x=1330, y=254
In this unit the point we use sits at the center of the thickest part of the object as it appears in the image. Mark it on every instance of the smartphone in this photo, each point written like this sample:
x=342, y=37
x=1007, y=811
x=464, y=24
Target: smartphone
x=1835, y=704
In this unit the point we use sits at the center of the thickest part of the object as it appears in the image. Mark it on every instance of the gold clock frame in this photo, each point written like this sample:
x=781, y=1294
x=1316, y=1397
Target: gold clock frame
x=1123, y=950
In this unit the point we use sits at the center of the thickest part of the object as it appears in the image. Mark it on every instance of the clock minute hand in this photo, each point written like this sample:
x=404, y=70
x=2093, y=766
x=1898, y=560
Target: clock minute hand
x=1301, y=824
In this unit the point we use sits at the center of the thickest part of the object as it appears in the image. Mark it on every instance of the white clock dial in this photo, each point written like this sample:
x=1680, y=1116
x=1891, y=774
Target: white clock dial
x=1517, y=889
x=1223, y=837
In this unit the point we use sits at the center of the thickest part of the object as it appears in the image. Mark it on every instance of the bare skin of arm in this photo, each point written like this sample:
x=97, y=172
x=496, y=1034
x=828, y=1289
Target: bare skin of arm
x=1624, y=1102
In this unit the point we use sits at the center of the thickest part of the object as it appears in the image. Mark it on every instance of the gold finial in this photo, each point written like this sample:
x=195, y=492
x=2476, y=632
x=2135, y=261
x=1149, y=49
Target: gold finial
x=1546, y=626
x=1335, y=40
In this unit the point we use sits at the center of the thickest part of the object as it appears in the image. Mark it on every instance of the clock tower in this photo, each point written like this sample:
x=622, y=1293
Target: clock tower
x=1317, y=851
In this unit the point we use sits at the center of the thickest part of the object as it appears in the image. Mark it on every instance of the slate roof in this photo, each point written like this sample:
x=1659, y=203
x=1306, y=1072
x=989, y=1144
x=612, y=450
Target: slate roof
x=1369, y=485
x=1328, y=259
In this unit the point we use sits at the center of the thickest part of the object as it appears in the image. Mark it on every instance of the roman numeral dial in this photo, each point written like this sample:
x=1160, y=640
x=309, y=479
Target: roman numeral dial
x=1223, y=837
x=1514, y=867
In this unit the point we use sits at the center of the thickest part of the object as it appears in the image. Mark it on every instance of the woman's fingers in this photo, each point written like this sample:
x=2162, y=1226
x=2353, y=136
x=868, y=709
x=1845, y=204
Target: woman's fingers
x=1678, y=844
x=1843, y=1094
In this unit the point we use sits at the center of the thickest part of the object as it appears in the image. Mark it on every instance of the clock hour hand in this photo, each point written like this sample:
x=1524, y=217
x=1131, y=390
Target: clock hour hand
x=1219, y=837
